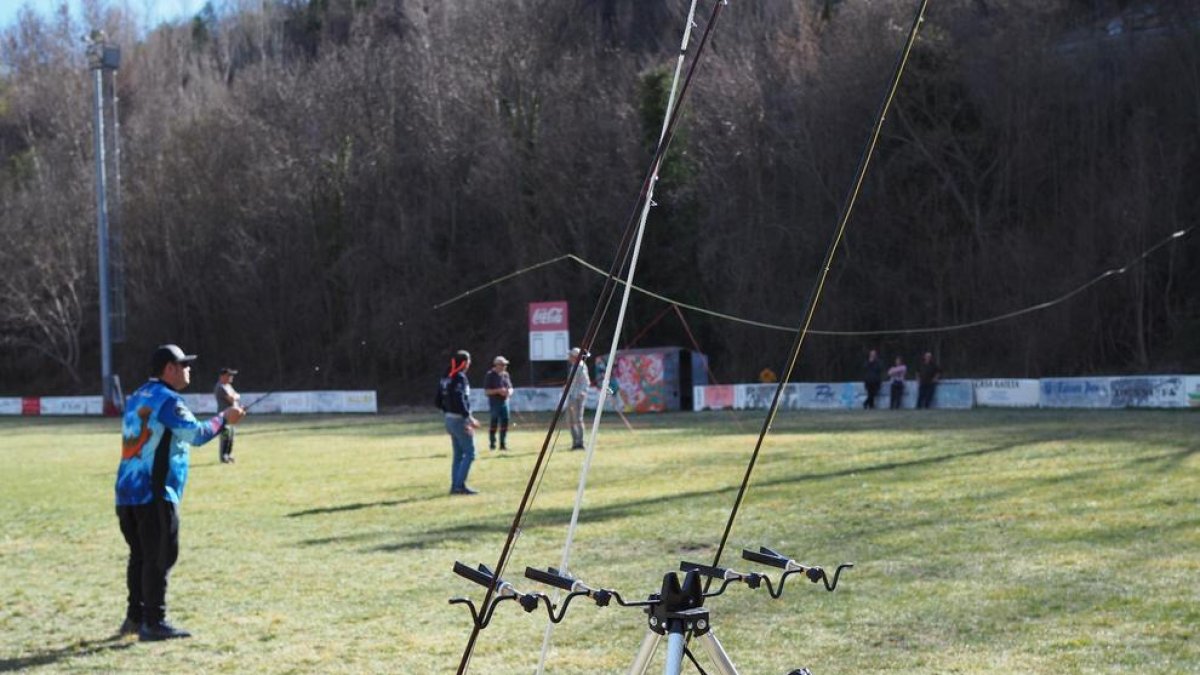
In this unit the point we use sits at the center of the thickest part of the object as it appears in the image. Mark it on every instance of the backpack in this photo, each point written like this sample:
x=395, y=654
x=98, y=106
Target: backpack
x=442, y=395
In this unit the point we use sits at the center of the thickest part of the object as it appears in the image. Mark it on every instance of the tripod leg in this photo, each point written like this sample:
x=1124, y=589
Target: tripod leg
x=645, y=653
x=712, y=647
x=675, y=645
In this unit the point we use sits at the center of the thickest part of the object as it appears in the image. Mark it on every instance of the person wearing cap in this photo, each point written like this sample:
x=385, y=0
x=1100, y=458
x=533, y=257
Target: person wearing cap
x=156, y=433
x=454, y=398
x=577, y=397
x=227, y=397
x=497, y=384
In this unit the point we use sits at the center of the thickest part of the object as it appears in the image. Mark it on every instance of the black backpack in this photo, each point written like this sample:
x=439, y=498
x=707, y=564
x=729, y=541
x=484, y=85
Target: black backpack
x=443, y=393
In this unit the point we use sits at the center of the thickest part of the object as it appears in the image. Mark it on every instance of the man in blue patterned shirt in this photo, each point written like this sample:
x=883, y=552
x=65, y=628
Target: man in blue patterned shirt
x=156, y=433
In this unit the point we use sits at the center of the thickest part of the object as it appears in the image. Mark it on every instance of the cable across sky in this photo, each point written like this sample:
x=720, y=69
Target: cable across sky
x=1115, y=271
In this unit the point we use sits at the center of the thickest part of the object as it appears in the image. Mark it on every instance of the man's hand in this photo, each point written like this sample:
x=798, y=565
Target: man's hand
x=234, y=414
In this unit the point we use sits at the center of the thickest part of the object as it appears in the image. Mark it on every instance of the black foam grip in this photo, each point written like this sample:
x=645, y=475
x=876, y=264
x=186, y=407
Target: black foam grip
x=482, y=578
x=772, y=559
x=549, y=578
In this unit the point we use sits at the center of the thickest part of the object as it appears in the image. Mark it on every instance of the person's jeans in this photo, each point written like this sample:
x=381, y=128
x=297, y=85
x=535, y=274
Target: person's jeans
x=463, y=441
x=872, y=392
x=499, y=410
x=925, y=394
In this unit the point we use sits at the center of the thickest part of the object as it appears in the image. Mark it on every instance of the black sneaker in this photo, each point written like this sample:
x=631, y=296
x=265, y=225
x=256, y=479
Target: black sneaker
x=129, y=627
x=161, y=630
x=464, y=490
x=504, y=448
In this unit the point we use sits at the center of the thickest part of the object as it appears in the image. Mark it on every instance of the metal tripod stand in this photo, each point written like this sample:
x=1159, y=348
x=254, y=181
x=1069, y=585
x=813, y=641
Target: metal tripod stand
x=678, y=613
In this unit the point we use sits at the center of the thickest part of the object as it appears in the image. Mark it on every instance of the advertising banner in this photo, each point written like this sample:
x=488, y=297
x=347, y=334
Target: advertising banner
x=549, y=331
x=201, y=404
x=72, y=405
x=359, y=402
x=31, y=406
x=10, y=406
x=1193, y=391
x=1007, y=393
x=1149, y=391
x=1076, y=392
x=533, y=399
x=714, y=397
x=294, y=402
x=261, y=403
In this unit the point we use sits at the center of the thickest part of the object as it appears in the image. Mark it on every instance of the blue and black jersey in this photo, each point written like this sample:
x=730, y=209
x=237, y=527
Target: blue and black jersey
x=156, y=433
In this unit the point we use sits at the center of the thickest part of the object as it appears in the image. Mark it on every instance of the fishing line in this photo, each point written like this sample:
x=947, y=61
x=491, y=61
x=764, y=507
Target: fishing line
x=610, y=285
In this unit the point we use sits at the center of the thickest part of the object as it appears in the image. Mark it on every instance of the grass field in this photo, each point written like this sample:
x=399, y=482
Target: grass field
x=985, y=542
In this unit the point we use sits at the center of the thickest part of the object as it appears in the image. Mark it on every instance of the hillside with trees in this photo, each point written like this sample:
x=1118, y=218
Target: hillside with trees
x=302, y=180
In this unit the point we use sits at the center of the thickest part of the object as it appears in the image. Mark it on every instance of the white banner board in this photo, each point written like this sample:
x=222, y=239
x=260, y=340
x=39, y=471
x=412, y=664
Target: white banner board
x=1006, y=393
x=549, y=331
x=10, y=405
x=1076, y=392
x=72, y=405
x=1149, y=391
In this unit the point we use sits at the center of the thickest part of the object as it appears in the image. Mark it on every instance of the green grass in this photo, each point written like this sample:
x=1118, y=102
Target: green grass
x=985, y=541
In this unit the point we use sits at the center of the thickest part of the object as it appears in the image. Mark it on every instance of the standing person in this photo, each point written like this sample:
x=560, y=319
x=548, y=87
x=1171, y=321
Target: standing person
x=156, y=431
x=497, y=384
x=454, y=398
x=896, y=374
x=928, y=377
x=227, y=397
x=577, y=397
x=872, y=378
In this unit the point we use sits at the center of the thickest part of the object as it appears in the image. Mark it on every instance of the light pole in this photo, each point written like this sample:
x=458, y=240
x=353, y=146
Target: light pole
x=103, y=57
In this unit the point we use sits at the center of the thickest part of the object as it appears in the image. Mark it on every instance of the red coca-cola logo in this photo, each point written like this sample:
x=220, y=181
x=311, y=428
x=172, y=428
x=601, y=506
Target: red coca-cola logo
x=547, y=316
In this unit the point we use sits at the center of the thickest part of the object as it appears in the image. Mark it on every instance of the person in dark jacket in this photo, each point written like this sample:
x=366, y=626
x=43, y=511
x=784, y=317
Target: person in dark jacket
x=928, y=376
x=497, y=384
x=872, y=378
x=454, y=395
x=156, y=433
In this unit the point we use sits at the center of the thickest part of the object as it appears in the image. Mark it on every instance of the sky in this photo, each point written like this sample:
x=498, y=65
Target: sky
x=158, y=10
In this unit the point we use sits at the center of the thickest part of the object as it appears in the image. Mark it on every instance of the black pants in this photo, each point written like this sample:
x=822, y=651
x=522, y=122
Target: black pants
x=897, y=395
x=872, y=392
x=226, y=442
x=925, y=394
x=152, y=532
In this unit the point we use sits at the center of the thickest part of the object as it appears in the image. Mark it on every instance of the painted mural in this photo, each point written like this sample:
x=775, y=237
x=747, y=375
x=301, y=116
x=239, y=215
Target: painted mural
x=641, y=382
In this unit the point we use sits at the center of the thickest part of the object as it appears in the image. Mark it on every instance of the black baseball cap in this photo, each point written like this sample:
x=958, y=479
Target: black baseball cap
x=165, y=354
x=227, y=371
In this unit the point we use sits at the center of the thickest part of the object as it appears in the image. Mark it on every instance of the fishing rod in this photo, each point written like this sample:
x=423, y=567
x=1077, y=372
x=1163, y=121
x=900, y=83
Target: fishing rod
x=590, y=446
x=585, y=346
x=819, y=285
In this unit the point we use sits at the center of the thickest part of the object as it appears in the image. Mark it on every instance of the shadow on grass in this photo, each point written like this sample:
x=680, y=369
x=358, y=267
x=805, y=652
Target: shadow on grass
x=638, y=507
x=358, y=506
x=1170, y=460
x=51, y=656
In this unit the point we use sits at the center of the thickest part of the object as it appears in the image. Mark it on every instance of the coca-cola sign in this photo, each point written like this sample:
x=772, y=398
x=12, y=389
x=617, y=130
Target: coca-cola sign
x=548, y=316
